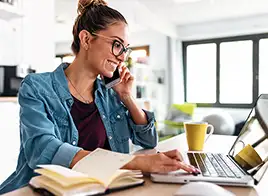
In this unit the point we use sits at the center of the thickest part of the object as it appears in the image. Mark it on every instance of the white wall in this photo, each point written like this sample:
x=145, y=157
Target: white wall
x=176, y=71
x=157, y=43
x=63, y=48
x=63, y=32
x=223, y=28
x=29, y=40
x=10, y=43
x=38, y=47
x=158, y=61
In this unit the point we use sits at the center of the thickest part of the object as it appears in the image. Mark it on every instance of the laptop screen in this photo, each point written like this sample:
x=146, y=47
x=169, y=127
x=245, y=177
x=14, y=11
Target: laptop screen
x=250, y=150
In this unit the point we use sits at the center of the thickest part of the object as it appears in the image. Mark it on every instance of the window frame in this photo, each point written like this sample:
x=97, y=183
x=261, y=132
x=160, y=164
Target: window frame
x=255, y=38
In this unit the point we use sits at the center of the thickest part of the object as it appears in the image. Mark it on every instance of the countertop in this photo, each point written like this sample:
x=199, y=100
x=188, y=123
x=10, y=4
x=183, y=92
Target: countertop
x=9, y=99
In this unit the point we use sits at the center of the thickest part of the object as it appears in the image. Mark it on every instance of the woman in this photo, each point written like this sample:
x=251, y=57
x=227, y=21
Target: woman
x=67, y=113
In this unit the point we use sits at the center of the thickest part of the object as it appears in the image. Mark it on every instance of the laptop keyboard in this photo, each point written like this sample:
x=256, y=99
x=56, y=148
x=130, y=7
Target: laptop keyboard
x=215, y=165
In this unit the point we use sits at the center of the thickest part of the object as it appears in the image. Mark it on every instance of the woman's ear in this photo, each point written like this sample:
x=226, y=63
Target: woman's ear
x=85, y=39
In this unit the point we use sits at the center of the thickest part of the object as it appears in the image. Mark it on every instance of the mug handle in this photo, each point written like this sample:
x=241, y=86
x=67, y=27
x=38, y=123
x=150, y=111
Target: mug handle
x=211, y=130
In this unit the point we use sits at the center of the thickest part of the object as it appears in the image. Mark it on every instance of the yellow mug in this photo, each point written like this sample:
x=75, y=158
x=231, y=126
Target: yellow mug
x=248, y=158
x=196, y=133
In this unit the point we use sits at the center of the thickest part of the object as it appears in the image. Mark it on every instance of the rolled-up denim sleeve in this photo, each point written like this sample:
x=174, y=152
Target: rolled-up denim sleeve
x=144, y=135
x=38, y=138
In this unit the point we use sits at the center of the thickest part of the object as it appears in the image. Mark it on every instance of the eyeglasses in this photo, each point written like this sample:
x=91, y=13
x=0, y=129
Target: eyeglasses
x=117, y=47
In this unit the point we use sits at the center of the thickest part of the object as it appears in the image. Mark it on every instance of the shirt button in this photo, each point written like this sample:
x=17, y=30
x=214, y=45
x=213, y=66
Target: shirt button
x=103, y=116
x=69, y=102
x=110, y=137
x=74, y=142
x=118, y=116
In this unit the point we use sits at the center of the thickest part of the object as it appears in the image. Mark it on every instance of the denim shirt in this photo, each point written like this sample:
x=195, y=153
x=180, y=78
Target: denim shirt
x=48, y=134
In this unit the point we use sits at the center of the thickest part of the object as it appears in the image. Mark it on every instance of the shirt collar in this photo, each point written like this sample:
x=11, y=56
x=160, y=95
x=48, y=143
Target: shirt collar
x=99, y=86
x=61, y=84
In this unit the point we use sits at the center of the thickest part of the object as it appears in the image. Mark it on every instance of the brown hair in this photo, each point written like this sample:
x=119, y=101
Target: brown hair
x=93, y=16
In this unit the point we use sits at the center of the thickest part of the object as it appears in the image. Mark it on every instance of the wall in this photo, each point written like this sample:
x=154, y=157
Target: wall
x=229, y=27
x=9, y=43
x=29, y=40
x=38, y=48
x=176, y=77
x=159, y=60
x=63, y=48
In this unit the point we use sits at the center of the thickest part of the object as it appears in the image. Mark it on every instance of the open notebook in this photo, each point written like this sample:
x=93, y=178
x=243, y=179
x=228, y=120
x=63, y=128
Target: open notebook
x=97, y=173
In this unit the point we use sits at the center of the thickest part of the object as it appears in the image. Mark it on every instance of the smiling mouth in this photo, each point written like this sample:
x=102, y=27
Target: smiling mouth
x=113, y=64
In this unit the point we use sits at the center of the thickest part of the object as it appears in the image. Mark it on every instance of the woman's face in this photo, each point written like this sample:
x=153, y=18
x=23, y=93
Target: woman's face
x=101, y=58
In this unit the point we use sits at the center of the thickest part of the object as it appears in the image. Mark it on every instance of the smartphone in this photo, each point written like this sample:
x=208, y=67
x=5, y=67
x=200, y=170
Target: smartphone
x=110, y=82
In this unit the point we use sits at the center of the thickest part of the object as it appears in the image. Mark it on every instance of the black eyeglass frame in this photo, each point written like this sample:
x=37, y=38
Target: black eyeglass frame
x=124, y=49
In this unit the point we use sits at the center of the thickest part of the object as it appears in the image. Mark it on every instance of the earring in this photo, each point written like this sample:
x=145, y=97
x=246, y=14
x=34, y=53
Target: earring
x=86, y=47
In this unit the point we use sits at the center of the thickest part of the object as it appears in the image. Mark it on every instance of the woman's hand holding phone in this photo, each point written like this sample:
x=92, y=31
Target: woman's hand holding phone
x=121, y=82
x=124, y=88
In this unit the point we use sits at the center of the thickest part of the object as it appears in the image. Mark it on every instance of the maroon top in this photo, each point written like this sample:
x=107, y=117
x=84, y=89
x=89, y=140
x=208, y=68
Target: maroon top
x=92, y=133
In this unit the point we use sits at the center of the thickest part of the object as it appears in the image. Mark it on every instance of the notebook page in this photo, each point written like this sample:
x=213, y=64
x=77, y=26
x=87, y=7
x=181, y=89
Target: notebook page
x=66, y=172
x=62, y=180
x=102, y=164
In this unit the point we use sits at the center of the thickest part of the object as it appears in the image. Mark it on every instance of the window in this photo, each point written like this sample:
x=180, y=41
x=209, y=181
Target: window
x=263, y=66
x=201, y=71
x=236, y=72
x=226, y=72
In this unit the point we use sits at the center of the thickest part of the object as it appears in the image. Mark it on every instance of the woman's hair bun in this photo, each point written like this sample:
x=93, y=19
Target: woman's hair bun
x=83, y=5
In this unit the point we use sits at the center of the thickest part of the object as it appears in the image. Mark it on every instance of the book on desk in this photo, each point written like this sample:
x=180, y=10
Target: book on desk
x=96, y=174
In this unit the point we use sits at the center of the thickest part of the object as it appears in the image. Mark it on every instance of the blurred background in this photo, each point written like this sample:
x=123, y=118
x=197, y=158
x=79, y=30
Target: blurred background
x=192, y=59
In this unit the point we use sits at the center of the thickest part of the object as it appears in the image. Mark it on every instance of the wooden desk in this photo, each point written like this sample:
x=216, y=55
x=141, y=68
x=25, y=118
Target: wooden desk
x=215, y=144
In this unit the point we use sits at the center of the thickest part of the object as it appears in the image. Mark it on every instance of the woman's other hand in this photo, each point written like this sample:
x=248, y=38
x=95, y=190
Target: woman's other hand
x=174, y=154
x=162, y=162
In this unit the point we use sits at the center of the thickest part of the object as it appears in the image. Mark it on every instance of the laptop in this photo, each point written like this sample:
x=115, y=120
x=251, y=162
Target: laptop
x=227, y=169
